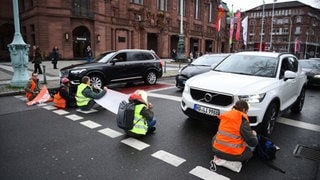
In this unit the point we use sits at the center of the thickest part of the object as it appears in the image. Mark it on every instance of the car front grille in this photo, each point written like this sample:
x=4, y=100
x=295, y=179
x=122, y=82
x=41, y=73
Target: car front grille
x=213, y=98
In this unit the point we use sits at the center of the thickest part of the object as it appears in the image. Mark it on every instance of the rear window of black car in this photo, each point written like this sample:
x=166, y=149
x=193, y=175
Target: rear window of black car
x=141, y=56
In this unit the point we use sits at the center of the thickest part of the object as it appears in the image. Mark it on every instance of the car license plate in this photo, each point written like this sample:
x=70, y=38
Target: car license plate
x=206, y=110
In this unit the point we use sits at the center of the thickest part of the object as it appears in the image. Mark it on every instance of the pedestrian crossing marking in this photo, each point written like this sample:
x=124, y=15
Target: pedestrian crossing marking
x=60, y=112
x=87, y=112
x=135, y=143
x=110, y=132
x=90, y=124
x=168, y=158
x=49, y=107
x=74, y=117
x=206, y=174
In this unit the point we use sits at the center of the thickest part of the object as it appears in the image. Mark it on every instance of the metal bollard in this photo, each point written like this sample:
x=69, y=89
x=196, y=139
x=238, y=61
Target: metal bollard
x=44, y=74
x=165, y=67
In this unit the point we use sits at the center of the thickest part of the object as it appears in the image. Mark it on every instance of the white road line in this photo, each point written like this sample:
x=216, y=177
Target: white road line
x=168, y=158
x=110, y=132
x=135, y=143
x=74, y=117
x=173, y=98
x=299, y=124
x=60, y=112
x=49, y=107
x=87, y=112
x=90, y=124
x=206, y=174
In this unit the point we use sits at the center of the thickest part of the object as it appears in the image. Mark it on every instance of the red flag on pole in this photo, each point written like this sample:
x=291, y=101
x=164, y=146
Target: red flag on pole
x=238, y=16
x=220, y=14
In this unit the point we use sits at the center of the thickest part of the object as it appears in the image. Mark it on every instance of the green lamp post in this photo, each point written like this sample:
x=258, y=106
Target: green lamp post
x=19, y=51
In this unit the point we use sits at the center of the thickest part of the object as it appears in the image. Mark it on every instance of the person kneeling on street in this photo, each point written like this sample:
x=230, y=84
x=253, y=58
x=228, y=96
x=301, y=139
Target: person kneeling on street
x=63, y=99
x=235, y=140
x=86, y=94
x=32, y=88
x=143, y=115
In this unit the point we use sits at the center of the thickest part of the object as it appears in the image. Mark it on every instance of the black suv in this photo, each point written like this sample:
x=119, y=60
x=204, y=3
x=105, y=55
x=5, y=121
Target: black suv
x=125, y=65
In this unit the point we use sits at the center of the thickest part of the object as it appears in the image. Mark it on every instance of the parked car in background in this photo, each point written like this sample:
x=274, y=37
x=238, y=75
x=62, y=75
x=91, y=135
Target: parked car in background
x=200, y=65
x=312, y=69
x=269, y=82
x=125, y=65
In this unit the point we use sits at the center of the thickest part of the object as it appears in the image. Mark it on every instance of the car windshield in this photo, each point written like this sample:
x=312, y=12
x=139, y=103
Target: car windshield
x=310, y=64
x=249, y=65
x=104, y=57
x=208, y=60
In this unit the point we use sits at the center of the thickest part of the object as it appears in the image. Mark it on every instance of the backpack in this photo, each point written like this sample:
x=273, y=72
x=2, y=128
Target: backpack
x=125, y=115
x=265, y=150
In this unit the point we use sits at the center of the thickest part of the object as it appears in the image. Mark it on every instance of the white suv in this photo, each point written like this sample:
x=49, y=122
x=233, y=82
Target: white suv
x=269, y=82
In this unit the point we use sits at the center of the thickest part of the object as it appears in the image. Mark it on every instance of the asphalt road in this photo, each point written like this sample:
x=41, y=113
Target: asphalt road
x=41, y=142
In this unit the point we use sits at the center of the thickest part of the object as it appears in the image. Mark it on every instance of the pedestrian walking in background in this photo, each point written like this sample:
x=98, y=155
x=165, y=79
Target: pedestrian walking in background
x=37, y=61
x=89, y=54
x=55, y=57
x=143, y=115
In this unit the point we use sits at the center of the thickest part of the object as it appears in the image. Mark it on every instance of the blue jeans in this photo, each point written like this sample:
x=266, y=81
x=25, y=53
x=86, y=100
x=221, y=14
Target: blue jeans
x=151, y=123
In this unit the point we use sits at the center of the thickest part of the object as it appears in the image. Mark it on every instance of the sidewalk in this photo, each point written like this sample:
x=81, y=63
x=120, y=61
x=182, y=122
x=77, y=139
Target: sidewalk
x=170, y=68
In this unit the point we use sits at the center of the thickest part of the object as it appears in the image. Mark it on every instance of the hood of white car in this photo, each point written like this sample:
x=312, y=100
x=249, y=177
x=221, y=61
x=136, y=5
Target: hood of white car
x=230, y=83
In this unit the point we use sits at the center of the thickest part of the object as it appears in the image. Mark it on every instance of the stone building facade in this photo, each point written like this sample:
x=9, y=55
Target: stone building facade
x=106, y=25
x=295, y=28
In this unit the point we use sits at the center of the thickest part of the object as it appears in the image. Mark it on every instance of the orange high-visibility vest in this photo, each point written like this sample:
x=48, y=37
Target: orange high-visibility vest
x=228, y=138
x=29, y=95
x=59, y=102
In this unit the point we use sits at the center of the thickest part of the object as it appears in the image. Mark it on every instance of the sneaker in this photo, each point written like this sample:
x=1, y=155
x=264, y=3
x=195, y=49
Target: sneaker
x=151, y=130
x=232, y=165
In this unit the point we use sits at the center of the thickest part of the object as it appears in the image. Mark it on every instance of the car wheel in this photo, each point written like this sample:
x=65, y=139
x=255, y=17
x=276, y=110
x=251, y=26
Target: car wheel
x=150, y=78
x=269, y=120
x=298, y=105
x=96, y=80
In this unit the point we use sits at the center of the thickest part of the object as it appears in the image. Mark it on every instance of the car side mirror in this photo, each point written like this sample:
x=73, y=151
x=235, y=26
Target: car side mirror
x=289, y=75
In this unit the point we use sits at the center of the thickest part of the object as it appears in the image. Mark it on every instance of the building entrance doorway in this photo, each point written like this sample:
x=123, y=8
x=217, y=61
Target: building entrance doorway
x=81, y=39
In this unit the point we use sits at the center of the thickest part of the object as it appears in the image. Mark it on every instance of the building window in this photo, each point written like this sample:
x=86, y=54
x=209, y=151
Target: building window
x=184, y=7
x=299, y=19
x=162, y=5
x=81, y=8
x=196, y=9
x=137, y=1
x=210, y=12
x=298, y=31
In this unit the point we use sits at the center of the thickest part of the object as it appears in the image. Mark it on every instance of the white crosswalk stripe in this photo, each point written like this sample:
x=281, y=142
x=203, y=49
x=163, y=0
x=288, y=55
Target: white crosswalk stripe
x=135, y=143
x=90, y=124
x=206, y=174
x=169, y=158
x=110, y=132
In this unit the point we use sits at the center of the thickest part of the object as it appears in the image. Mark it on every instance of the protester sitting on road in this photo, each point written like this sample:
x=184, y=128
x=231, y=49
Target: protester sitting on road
x=235, y=140
x=63, y=98
x=32, y=88
x=143, y=115
x=85, y=94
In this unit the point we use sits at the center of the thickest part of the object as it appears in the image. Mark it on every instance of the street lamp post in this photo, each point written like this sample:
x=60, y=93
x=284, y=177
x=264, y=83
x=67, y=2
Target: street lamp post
x=181, y=47
x=271, y=48
x=262, y=24
x=305, y=50
x=18, y=53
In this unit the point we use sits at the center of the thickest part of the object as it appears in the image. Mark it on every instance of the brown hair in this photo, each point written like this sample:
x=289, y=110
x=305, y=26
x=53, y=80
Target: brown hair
x=85, y=79
x=240, y=105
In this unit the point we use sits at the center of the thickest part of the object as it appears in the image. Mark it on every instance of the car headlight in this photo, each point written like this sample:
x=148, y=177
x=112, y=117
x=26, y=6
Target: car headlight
x=251, y=99
x=78, y=71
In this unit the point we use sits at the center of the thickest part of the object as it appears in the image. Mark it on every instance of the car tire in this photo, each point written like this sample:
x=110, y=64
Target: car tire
x=96, y=80
x=151, y=78
x=269, y=120
x=298, y=105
